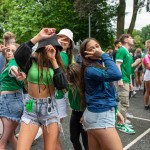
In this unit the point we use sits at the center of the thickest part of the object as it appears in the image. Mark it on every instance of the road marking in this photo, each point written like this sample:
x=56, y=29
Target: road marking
x=131, y=116
x=137, y=139
x=141, y=118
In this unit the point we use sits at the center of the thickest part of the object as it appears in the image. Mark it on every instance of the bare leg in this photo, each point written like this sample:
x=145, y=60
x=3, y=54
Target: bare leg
x=9, y=128
x=139, y=79
x=108, y=138
x=13, y=141
x=50, y=134
x=136, y=79
x=93, y=142
x=147, y=92
x=59, y=146
x=26, y=136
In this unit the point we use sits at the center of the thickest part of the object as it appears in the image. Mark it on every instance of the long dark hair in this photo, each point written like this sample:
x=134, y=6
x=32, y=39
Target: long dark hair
x=73, y=74
x=85, y=63
x=42, y=61
x=70, y=53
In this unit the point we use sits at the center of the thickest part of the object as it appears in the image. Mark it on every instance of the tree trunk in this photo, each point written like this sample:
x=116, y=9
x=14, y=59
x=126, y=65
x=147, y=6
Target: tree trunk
x=121, y=17
x=134, y=15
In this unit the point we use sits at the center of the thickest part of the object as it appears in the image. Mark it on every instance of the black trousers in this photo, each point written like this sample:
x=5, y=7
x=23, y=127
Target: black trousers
x=76, y=129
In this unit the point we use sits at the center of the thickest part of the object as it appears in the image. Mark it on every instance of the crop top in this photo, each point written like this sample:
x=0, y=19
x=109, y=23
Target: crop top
x=34, y=75
x=23, y=57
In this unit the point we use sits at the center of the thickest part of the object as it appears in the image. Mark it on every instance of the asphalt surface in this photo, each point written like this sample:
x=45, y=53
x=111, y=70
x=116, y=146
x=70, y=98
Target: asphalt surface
x=139, y=117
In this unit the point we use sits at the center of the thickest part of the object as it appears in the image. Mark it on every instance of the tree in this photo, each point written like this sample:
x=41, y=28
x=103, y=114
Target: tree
x=145, y=33
x=134, y=15
x=121, y=17
x=137, y=6
x=101, y=15
x=29, y=16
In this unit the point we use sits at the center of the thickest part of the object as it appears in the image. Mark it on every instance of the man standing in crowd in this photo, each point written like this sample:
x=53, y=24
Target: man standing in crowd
x=124, y=62
x=117, y=45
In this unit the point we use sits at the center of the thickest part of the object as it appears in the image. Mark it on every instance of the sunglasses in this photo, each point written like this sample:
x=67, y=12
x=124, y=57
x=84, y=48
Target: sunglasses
x=50, y=106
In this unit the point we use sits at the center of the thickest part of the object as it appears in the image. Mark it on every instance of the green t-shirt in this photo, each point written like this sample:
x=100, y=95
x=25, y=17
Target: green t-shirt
x=74, y=99
x=10, y=83
x=125, y=58
x=65, y=59
x=59, y=93
x=64, y=56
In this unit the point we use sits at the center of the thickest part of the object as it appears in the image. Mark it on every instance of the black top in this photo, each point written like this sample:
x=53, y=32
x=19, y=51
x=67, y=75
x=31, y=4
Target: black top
x=136, y=57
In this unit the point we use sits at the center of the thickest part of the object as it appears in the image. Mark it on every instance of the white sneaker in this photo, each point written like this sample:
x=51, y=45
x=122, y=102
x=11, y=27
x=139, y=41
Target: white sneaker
x=136, y=88
x=134, y=93
x=127, y=121
x=141, y=88
x=38, y=134
x=129, y=115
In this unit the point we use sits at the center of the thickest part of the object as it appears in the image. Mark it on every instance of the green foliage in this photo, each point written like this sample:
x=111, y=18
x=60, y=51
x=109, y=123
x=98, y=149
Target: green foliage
x=138, y=42
x=145, y=33
x=25, y=18
x=138, y=39
x=29, y=16
x=101, y=15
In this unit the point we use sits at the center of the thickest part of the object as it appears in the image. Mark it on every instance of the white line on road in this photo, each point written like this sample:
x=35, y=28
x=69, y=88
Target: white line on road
x=141, y=118
x=137, y=139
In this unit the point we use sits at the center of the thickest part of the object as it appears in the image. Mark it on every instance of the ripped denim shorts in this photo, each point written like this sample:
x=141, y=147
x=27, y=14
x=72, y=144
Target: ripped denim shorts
x=40, y=111
x=11, y=106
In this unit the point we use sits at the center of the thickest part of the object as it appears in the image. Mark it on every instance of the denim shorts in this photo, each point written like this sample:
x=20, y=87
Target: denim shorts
x=43, y=112
x=99, y=120
x=62, y=107
x=11, y=106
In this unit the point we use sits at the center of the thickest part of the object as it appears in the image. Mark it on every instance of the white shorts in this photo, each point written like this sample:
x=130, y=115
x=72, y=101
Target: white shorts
x=147, y=75
x=62, y=107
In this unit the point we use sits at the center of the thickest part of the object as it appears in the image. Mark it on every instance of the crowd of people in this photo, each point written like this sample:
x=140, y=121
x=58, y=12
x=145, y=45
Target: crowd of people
x=40, y=78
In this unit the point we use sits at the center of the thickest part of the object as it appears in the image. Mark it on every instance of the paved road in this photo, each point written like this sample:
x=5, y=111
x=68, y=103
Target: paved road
x=140, y=119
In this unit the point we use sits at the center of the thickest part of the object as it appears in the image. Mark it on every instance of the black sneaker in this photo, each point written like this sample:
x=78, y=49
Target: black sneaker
x=146, y=107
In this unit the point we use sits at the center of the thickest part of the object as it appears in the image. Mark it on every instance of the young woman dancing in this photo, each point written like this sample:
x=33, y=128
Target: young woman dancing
x=44, y=74
x=99, y=95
